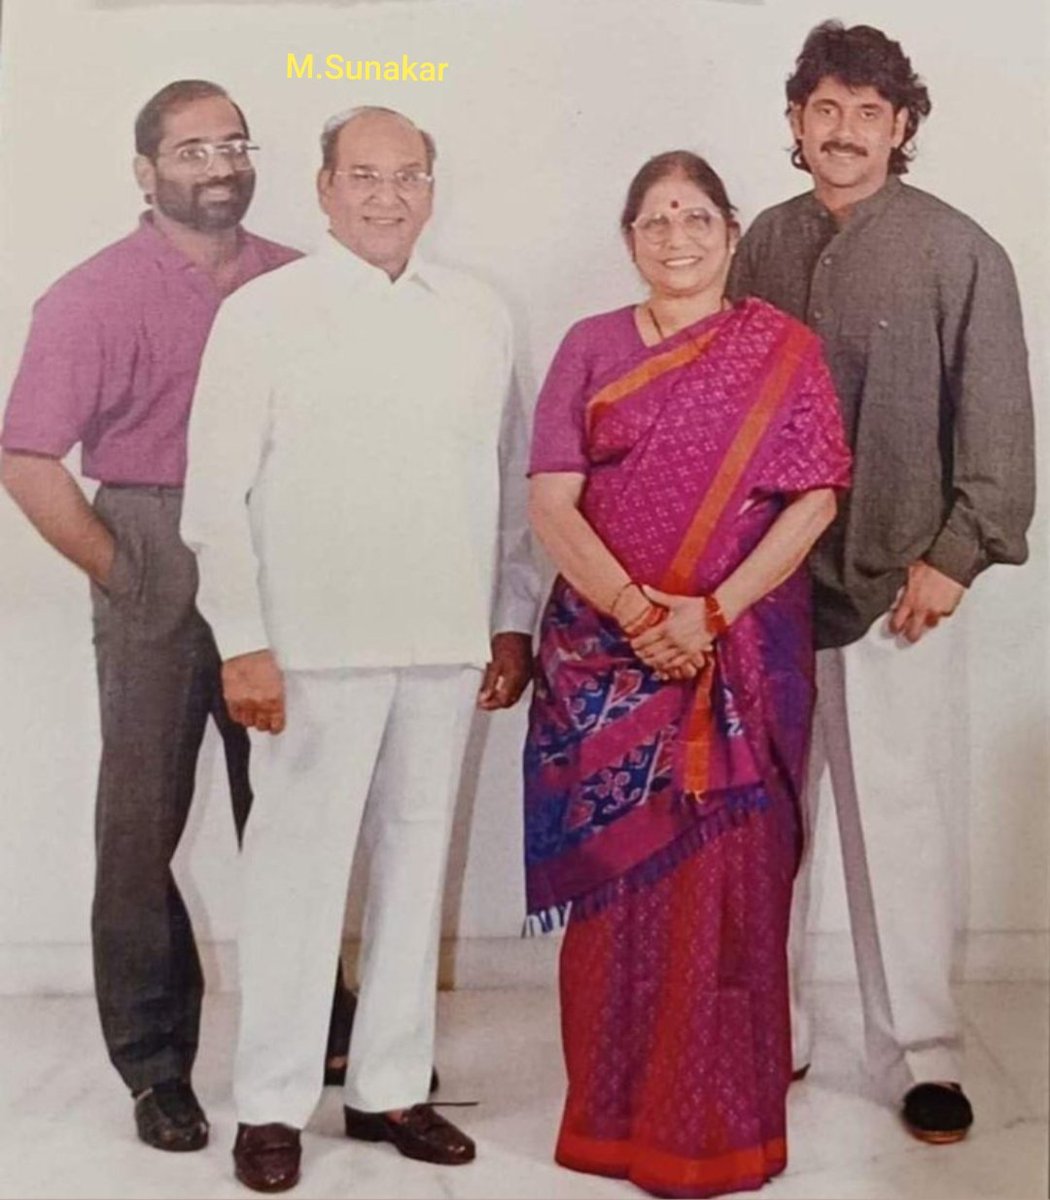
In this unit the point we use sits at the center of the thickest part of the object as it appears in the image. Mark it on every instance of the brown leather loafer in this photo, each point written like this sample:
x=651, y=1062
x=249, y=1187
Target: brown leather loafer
x=419, y=1133
x=266, y=1158
x=168, y=1117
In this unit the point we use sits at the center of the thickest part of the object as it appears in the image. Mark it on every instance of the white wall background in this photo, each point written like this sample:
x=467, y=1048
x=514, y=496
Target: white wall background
x=547, y=109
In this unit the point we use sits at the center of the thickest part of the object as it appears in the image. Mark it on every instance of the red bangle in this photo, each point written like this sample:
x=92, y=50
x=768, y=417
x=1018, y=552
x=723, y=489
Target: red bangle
x=654, y=615
x=716, y=618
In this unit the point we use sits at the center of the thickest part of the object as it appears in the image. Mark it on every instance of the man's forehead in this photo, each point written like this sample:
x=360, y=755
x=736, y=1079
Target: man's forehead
x=209, y=117
x=831, y=86
x=379, y=135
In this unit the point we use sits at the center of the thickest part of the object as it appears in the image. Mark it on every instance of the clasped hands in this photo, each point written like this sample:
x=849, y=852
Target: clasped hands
x=676, y=648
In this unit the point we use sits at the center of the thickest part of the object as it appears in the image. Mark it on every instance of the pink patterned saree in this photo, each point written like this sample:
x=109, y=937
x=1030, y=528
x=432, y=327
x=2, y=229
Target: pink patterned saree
x=661, y=816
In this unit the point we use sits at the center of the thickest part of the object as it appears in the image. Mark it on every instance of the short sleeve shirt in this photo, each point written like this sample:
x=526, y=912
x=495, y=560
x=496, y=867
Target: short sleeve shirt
x=112, y=357
x=590, y=348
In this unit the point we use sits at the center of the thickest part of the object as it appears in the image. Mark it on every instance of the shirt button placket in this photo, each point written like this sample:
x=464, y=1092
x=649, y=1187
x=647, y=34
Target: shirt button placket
x=818, y=305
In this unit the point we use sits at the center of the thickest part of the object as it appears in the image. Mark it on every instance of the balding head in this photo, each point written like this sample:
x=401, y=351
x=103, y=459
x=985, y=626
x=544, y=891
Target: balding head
x=335, y=125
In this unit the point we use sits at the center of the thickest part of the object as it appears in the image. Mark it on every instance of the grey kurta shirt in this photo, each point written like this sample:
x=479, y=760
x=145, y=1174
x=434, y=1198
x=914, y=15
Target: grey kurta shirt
x=919, y=313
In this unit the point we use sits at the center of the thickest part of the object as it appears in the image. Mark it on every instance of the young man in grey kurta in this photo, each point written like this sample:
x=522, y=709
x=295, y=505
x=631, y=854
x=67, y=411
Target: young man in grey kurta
x=921, y=322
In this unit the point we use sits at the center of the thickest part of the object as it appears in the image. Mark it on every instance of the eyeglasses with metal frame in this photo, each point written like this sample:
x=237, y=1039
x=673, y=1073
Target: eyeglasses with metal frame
x=408, y=181
x=655, y=228
x=200, y=156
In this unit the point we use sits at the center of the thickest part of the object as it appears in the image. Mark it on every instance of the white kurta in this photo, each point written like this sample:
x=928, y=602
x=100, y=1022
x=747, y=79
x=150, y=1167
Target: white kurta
x=365, y=421
x=356, y=498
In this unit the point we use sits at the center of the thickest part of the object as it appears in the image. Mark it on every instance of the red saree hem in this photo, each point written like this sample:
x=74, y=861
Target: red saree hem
x=663, y=1174
x=675, y=1020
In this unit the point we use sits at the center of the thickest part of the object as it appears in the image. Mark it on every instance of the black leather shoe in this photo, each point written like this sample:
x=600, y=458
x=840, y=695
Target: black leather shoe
x=168, y=1117
x=419, y=1133
x=266, y=1158
x=937, y=1112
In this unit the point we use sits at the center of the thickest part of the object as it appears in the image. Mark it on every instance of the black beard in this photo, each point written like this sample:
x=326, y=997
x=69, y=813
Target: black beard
x=185, y=205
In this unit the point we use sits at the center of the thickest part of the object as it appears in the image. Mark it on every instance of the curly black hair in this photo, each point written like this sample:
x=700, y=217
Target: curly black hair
x=860, y=57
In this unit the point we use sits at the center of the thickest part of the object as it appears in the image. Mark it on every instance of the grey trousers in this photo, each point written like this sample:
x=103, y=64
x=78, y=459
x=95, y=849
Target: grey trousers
x=159, y=681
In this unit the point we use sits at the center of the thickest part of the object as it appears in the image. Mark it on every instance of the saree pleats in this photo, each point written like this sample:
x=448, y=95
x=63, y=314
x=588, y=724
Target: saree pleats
x=675, y=1020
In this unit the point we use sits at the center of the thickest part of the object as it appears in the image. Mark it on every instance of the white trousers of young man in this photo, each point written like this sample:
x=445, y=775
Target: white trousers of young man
x=890, y=733
x=375, y=751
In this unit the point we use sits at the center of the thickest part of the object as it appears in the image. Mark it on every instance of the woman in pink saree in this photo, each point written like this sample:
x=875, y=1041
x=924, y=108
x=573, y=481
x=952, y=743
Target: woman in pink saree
x=685, y=458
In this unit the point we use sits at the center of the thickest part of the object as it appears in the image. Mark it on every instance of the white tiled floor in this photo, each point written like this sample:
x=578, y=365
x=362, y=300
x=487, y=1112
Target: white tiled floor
x=68, y=1131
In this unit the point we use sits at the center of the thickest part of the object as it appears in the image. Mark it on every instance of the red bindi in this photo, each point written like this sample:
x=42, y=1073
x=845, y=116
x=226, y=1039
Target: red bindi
x=674, y=203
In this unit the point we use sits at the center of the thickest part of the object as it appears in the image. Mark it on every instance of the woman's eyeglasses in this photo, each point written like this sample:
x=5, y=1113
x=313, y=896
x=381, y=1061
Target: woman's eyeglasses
x=655, y=228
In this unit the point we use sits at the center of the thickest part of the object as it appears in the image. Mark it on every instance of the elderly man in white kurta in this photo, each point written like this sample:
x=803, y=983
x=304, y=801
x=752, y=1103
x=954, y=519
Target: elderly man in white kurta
x=355, y=498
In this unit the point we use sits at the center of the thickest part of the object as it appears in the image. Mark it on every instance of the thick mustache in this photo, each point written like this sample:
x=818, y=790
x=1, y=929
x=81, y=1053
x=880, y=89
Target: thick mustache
x=234, y=185
x=846, y=147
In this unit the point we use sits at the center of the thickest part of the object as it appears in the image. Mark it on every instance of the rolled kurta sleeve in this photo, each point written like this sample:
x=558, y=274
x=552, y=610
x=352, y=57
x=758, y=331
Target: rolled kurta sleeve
x=985, y=368
x=228, y=432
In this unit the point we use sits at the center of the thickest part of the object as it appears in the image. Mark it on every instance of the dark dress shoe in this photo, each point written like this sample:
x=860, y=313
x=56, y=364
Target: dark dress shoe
x=420, y=1133
x=266, y=1158
x=937, y=1112
x=168, y=1117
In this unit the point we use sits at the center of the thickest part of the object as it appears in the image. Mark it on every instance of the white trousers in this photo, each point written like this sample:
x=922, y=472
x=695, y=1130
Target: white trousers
x=890, y=734
x=375, y=751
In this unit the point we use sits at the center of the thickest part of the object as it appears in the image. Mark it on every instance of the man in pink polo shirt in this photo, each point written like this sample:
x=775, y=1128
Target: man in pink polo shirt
x=111, y=362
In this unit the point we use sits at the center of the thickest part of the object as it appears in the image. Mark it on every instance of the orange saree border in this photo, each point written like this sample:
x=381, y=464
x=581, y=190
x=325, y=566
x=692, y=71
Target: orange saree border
x=737, y=457
x=787, y=356
x=699, y=734
x=653, y=1169
x=645, y=373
